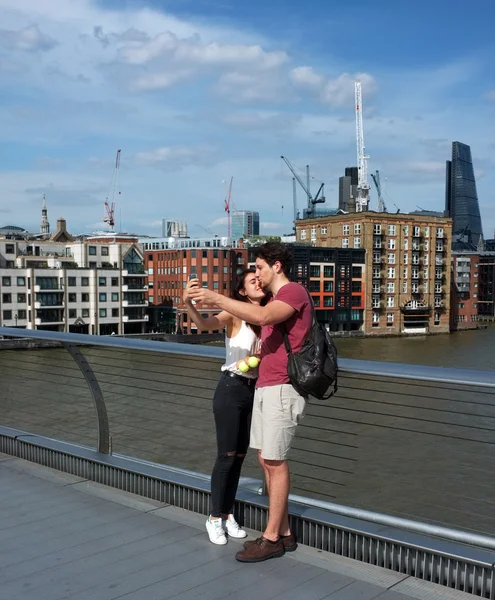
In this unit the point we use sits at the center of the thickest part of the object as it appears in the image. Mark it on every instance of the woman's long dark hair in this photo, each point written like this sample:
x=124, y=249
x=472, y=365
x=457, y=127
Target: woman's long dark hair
x=236, y=295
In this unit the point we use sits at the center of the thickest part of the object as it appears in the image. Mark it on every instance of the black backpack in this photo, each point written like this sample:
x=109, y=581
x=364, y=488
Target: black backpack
x=313, y=370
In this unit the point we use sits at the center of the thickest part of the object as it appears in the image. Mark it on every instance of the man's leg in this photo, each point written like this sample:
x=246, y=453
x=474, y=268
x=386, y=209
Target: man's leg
x=278, y=518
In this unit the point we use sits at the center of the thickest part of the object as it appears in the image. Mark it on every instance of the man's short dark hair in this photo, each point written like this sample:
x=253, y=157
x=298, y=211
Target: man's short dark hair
x=271, y=252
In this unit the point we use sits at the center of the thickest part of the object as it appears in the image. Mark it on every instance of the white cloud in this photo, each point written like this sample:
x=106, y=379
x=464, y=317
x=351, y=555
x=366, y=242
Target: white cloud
x=29, y=39
x=221, y=221
x=158, y=81
x=174, y=158
x=333, y=92
x=249, y=87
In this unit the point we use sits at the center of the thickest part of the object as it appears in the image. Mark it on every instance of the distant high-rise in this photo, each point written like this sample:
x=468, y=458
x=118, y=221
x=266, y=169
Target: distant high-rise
x=45, y=225
x=245, y=223
x=348, y=189
x=174, y=228
x=461, y=198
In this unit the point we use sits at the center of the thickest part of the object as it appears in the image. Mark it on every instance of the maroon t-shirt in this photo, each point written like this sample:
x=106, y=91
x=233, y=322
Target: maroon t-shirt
x=273, y=366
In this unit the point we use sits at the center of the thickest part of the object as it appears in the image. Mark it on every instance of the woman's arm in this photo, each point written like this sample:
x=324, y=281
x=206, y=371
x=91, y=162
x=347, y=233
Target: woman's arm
x=219, y=321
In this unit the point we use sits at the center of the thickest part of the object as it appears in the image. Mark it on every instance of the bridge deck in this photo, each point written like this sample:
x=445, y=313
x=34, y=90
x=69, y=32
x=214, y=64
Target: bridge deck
x=62, y=537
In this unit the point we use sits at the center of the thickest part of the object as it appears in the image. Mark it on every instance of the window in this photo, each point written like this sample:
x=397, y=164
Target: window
x=72, y=313
x=313, y=233
x=215, y=285
x=356, y=301
x=328, y=286
x=225, y=270
x=404, y=287
x=356, y=286
x=103, y=297
x=72, y=297
x=115, y=311
x=390, y=287
x=92, y=250
x=71, y=281
x=215, y=254
x=377, y=229
x=390, y=301
x=21, y=314
x=406, y=230
x=303, y=234
x=102, y=281
x=103, y=312
x=425, y=273
x=357, y=228
x=316, y=300
x=7, y=315
x=346, y=229
x=6, y=281
x=391, y=273
x=21, y=281
x=328, y=301
x=9, y=249
x=115, y=297
x=21, y=298
x=314, y=286
x=375, y=319
x=193, y=253
x=84, y=297
x=405, y=273
x=376, y=272
x=115, y=281
x=406, y=259
x=406, y=244
x=204, y=269
x=415, y=288
x=323, y=230
x=85, y=281
x=416, y=231
x=390, y=319
x=215, y=269
x=391, y=244
x=391, y=259
x=376, y=257
x=345, y=242
x=440, y=232
x=85, y=313
x=7, y=298
x=314, y=270
x=375, y=302
x=438, y=288
x=357, y=242
x=357, y=272
x=437, y=318
x=391, y=230
x=204, y=254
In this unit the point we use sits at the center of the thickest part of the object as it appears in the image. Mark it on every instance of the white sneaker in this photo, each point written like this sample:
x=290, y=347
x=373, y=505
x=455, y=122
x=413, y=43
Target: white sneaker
x=233, y=528
x=216, y=532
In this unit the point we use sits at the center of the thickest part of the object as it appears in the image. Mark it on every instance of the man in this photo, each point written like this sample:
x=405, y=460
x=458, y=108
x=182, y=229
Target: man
x=278, y=408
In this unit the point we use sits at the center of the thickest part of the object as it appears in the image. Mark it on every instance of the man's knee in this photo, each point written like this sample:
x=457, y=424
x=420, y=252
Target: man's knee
x=273, y=465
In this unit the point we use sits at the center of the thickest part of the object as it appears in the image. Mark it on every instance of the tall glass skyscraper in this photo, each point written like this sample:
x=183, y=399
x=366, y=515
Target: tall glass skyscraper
x=245, y=223
x=461, y=198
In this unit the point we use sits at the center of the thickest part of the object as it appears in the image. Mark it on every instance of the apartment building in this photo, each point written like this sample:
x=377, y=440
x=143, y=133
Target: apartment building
x=169, y=264
x=83, y=286
x=407, y=266
x=464, y=291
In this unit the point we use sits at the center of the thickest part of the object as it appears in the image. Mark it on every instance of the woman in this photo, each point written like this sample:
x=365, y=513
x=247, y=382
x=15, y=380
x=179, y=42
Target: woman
x=232, y=404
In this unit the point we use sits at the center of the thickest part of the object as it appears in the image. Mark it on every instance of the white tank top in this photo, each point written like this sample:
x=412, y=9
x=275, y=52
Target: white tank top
x=244, y=344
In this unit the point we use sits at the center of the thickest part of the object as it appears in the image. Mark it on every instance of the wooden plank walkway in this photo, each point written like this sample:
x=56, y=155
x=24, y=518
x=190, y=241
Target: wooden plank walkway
x=62, y=537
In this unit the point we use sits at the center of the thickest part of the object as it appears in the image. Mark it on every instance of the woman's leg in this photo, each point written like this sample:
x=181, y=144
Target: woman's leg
x=227, y=419
x=245, y=404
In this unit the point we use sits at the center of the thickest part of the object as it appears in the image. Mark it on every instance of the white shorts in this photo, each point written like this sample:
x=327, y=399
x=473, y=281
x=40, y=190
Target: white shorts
x=277, y=411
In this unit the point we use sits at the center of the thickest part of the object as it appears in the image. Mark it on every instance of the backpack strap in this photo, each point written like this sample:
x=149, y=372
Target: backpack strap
x=283, y=329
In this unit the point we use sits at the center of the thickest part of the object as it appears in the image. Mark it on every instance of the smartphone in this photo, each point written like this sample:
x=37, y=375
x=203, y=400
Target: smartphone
x=193, y=275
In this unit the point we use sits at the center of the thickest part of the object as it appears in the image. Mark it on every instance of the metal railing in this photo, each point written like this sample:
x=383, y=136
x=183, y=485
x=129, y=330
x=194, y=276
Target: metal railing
x=401, y=446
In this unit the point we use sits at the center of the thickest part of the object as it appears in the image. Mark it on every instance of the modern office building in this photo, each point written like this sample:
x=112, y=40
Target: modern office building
x=407, y=267
x=171, y=262
x=348, y=190
x=245, y=223
x=461, y=197
x=174, y=228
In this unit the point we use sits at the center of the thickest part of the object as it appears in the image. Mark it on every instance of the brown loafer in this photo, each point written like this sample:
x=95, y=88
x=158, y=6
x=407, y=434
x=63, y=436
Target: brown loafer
x=262, y=549
x=289, y=542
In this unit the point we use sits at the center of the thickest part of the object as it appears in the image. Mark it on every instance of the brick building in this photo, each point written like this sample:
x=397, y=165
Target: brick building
x=171, y=262
x=407, y=266
x=464, y=291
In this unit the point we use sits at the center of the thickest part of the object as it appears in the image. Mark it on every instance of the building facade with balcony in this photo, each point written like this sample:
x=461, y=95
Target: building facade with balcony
x=171, y=262
x=84, y=286
x=407, y=274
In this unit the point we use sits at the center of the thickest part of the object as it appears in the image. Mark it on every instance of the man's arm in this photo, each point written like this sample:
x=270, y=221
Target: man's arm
x=271, y=314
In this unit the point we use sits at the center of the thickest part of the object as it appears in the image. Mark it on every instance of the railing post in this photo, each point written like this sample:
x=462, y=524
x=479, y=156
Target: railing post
x=103, y=443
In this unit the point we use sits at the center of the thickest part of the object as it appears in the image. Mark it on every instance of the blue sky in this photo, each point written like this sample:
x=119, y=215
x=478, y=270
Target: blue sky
x=197, y=91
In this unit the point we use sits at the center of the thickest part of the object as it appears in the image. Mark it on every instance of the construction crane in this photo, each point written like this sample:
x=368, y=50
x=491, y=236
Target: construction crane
x=110, y=206
x=209, y=231
x=294, y=201
x=228, y=204
x=311, y=200
x=381, y=202
x=363, y=187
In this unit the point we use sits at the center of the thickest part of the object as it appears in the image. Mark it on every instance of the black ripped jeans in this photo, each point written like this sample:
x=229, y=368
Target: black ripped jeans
x=232, y=409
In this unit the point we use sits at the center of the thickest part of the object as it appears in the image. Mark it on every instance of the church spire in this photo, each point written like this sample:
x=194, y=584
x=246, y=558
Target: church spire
x=45, y=225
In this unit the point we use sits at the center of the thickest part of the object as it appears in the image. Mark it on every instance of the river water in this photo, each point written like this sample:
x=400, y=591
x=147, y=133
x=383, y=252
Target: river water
x=474, y=349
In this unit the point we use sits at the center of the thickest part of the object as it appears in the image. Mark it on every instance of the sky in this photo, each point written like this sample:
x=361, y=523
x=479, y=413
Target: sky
x=195, y=92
